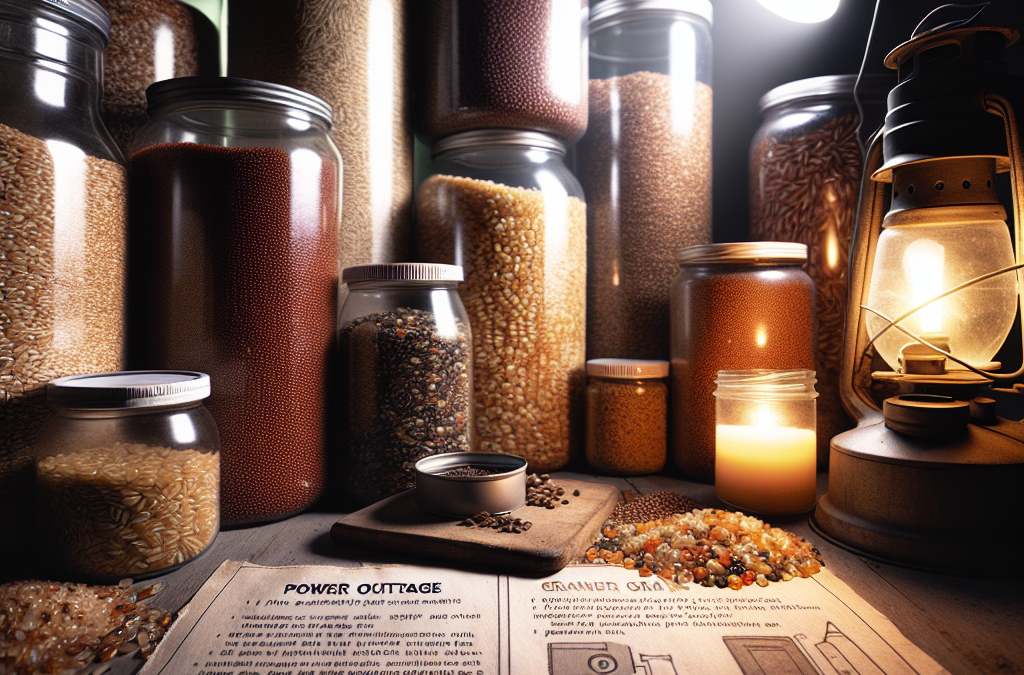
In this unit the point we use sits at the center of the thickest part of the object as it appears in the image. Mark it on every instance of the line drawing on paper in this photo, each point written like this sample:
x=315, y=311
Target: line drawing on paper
x=605, y=658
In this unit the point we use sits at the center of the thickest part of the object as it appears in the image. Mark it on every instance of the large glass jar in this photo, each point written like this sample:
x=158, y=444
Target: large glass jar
x=744, y=306
x=128, y=474
x=353, y=55
x=490, y=64
x=645, y=166
x=805, y=170
x=504, y=206
x=62, y=224
x=150, y=41
x=235, y=215
x=406, y=389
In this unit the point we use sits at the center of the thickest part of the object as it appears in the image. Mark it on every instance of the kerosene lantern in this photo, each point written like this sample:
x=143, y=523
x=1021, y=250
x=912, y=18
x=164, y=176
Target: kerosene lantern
x=934, y=288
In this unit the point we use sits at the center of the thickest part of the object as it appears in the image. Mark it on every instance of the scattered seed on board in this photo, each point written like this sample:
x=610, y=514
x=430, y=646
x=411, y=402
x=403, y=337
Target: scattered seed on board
x=501, y=523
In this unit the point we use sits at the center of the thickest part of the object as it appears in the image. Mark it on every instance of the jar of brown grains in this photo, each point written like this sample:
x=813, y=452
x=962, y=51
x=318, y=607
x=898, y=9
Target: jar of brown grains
x=235, y=216
x=128, y=474
x=406, y=371
x=503, y=205
x=805, y=170
x=62, y=224
x=645, y=166
x=490, y=64
x=741, y=306
x=627, y=416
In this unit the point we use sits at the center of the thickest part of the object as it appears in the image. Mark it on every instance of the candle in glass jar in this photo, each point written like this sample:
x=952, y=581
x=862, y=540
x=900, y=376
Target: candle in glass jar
x=766, y=469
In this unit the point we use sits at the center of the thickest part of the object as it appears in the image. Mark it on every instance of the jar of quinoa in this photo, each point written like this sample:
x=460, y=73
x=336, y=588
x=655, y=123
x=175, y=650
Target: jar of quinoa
x=627, y=416
x=235, y=218
x=740, y=306
x=62, y=224
x=406, y=371
x=490, y=64
x=128, y=473
x=503, y=205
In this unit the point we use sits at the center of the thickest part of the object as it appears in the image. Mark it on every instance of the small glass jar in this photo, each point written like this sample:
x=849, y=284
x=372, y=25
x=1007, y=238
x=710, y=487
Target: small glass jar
x=765, y=458
x=150, y=41
x=740, y=306
x=406, y=370
x=627, y=416
x=235, y=211
x=805, y=171
x=62, y=224
x=503, y=205
x=645, y=166
x=128, y=473
x=492, y=64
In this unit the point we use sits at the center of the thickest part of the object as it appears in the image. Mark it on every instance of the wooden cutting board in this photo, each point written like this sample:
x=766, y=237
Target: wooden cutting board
x=557, y=536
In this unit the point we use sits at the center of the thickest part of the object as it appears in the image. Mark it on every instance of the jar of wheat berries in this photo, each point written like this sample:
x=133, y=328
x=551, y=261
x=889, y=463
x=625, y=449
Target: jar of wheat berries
x=128, y=473
x=741, y=306
x=805, y=170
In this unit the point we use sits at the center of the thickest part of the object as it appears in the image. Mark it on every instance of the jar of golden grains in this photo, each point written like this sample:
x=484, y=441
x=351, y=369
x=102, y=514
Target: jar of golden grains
x=128, y=473
x=627, y=416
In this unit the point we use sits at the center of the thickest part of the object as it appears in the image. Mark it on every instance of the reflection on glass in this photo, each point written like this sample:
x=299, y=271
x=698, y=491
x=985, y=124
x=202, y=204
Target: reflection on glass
x=380, y=123
x=182, y=429
x=305, y=193
x=163, y=53
x=69, y=244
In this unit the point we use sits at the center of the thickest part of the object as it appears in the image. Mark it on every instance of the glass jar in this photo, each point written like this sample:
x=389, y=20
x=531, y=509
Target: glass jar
x=805, y=171
x=128, y=473
x=627, y=416
x=503, y=205
x=490, y=64
x=645, y=166
x=743, y=306
x=406, y=375
x=62, y=221
x=235, y=217
x=765, y=458
x=352, y=54
x=150, y=41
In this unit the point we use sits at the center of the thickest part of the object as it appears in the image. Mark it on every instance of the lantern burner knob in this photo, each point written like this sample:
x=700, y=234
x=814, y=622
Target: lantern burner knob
x=926, y=414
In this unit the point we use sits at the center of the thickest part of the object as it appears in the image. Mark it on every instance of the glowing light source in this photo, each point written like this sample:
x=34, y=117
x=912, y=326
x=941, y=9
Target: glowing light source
x=803, y=11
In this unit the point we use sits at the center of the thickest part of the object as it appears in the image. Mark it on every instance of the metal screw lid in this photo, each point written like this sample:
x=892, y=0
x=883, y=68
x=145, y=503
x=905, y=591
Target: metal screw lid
x=744, y=252
x=872, y=87
x=612, y=12
x=627, y=369
x=484, y=137
x=230, y=89
x=129, y=389
x=83, y=11
x=402, y=272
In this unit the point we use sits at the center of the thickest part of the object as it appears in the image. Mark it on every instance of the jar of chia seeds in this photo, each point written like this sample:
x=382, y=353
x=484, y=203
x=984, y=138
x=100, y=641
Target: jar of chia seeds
x=805, y=171
x=645, y=166
x=627, y=416
x=490, y=64
x=62, y=224
x=741, y=306
x=406, y=376
x=503, y=205
x=128, y=473
x=235, y=216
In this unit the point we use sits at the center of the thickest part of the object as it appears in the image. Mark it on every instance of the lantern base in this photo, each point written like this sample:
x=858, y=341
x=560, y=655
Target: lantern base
x=921, y=502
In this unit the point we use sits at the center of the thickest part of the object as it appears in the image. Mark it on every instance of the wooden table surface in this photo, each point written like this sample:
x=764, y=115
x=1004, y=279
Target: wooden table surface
x=969, y=624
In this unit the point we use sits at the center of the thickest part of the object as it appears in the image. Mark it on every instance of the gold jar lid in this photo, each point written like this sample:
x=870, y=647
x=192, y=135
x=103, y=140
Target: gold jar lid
x=756, y=252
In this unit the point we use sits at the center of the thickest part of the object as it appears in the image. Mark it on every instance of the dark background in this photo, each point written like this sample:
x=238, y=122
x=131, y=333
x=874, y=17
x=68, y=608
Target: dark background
x=756, y=50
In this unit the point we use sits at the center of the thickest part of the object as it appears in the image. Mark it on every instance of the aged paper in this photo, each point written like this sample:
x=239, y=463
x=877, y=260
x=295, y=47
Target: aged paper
x=410, y=620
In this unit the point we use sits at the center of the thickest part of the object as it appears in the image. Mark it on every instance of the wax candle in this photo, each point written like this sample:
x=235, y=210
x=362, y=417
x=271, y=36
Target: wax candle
x=765, y=454
x=765, y=469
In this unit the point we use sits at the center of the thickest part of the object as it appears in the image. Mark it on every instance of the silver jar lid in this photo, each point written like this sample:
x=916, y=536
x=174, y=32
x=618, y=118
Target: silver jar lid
x=612, y=12
x=744, y=252
x=484, y=137
x=402, y=272
x=874, y=87
x=627, y=369
x=128, y=389
x=85, y=11
x=230, y=89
